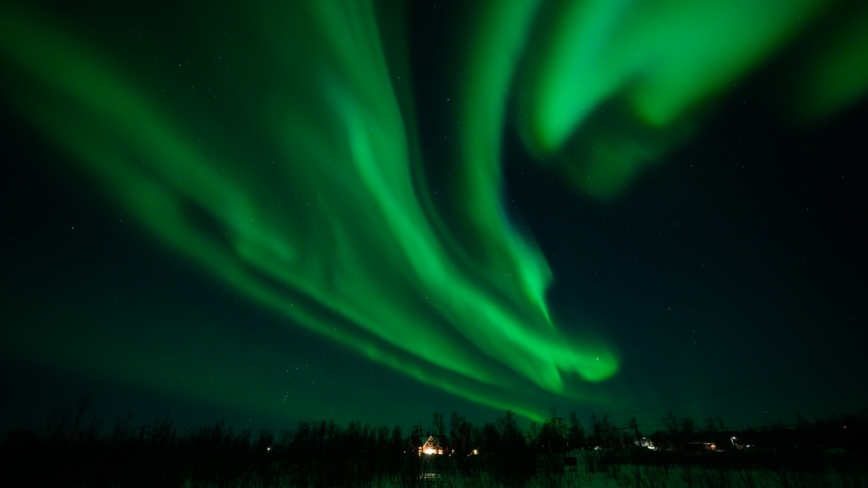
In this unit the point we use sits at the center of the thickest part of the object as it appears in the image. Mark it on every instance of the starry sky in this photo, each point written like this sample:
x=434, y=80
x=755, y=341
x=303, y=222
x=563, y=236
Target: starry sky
x=376, y=210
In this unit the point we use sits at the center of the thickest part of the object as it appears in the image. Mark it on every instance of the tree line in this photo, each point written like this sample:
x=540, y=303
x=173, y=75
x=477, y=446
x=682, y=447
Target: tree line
x=81, y=451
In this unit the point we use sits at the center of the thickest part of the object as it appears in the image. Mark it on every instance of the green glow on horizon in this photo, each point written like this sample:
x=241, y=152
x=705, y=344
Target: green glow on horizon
x=287, y=172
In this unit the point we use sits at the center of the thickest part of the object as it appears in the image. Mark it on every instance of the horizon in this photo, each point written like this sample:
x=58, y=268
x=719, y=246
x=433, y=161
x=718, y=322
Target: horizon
x=84, y=409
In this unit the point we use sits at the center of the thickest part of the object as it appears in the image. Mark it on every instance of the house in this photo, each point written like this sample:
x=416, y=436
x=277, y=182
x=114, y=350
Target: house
x=699, y=446
x=431, y=444
x=646, y=442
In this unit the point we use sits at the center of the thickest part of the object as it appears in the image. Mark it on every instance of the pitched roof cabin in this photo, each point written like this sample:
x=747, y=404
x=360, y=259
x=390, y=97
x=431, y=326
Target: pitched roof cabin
x=432, y=445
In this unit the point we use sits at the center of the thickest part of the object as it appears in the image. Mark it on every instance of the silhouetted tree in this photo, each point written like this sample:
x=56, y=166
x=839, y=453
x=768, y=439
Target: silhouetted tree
x=576, y=433
x=396, y=440
x=610, y=434
x=670, y=422
x=122, y=430
x=551, y=435
x=596, y=430
x=510, y=432
x=459, y=434
x=264, y=441
x=532, y=435
x=710, y=425
x=514, y=464
x=437, y=423
x=489, y=439
x=687, y=427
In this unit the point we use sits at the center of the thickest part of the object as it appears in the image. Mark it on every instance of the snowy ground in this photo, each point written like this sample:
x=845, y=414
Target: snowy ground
x=763, y=469
x=633, y=476
x=651, y=477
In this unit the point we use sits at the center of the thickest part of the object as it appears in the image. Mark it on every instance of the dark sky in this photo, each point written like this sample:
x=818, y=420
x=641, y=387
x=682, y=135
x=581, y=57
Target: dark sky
x=265, y=215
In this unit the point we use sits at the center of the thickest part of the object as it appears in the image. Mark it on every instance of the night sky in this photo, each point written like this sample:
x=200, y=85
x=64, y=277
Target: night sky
x=374, y=211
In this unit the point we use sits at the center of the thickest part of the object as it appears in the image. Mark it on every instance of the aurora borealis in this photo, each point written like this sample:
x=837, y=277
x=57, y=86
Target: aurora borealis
x=321, y=208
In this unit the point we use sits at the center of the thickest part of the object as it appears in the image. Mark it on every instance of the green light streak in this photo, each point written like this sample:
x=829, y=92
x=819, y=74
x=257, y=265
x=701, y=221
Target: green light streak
x=287, y=169
x=645, y=70
x=493, y=54
x=338, y=241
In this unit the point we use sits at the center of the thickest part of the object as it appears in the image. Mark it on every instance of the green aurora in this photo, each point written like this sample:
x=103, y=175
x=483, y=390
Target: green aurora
x=289, y=166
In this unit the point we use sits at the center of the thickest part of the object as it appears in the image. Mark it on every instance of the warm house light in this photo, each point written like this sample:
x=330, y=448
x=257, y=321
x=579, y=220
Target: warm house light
x=431, y=446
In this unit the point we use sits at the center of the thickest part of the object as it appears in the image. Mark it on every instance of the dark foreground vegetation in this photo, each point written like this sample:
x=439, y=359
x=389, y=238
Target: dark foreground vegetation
x=74, y=449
